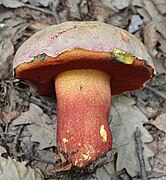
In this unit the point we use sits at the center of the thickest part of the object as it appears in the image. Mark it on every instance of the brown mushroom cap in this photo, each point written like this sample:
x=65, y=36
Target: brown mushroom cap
x=84, y=45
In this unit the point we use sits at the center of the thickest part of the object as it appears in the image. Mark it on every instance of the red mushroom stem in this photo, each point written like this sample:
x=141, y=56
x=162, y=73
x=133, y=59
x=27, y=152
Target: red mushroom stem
x=83, y=101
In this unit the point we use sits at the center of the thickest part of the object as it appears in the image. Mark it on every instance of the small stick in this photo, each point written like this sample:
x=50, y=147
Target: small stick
x=157, y=176
x=52, y=13
x=155, y=91
x=118, y=174
x=32, y=157
x=139, y=150
x=41, y=160
x=15, y=142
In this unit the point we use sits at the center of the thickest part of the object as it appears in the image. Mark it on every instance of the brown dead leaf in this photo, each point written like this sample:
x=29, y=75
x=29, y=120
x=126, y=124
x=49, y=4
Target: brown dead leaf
x=142, y=12
x=148, y=10
x=162, y=46
x=160, y=122
x=151, y=38
x=100, y=11
x=160, y=5
x=117, y=4
x=6, y=50
x=63, y=167
x=39, y=25
x=84, y=9
x=60, y=157
x=152, y=11
x=161, y=28
x=118, y=20
x=73, y=9
x=9, y=116
x=137, y=3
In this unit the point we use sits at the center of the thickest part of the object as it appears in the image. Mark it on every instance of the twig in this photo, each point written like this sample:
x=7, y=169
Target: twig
x=37, y=9
x=155, y=91
x=31, y=157
x=15, y=142
x=156, y=176
x=108, y=157
x=41, y=160
x=41, y=104
x=156, y=150
x=53, y=7
x=118, y=174
x=139, y=150
x=52, y=13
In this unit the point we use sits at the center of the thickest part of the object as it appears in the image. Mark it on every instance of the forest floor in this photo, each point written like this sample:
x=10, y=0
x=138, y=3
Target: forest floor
x=28, y=120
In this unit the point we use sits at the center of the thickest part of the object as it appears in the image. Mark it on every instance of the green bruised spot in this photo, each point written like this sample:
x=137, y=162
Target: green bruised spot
x=123, y=56
x=40, y=57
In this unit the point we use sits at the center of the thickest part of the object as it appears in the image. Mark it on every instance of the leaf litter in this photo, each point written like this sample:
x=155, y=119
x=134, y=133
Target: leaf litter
x=12, y=169
x=126, y=117
x=37, y=121
x=145, y=19
x=160, y=122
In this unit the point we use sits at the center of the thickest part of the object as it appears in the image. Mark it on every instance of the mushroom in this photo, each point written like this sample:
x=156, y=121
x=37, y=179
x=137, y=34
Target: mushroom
x=84, y=63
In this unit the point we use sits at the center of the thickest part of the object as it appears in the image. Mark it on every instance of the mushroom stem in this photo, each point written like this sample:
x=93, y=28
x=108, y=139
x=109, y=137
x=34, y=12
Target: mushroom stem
x=83, y=100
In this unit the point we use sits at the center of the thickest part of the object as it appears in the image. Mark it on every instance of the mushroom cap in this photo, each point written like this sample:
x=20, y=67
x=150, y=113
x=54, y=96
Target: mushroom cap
x=84, y=45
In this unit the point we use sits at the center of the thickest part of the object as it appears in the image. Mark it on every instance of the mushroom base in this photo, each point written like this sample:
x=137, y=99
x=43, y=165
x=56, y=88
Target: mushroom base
x=83, y=101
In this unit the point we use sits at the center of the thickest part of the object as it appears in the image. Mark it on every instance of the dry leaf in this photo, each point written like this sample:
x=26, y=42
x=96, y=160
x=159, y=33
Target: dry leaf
x=160, y=69
x=38, y=25
x=135, y=24
x=160, y=122
x=11, y=3
x=73, y=9
x=159, y=162
x=138, y=3
x=160, y=5
x=5, y=15
x=13, y=29
x=63, y=167
x=102, y=174
x=10, y=115
x=151, y=38
x=162, y=46
x=45, y=3
x=48, y=156
x=100, y=11
x=126, y=117
x=12, y=169
x=117, y=20
x=161, y=28
x=6, y=50
x=147, y=9
x=146, y=17
x=152, y=11
x=41, y=132
x=117, y=4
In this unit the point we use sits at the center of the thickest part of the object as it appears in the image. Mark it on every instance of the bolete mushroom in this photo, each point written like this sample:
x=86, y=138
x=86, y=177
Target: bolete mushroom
x=86, y=63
